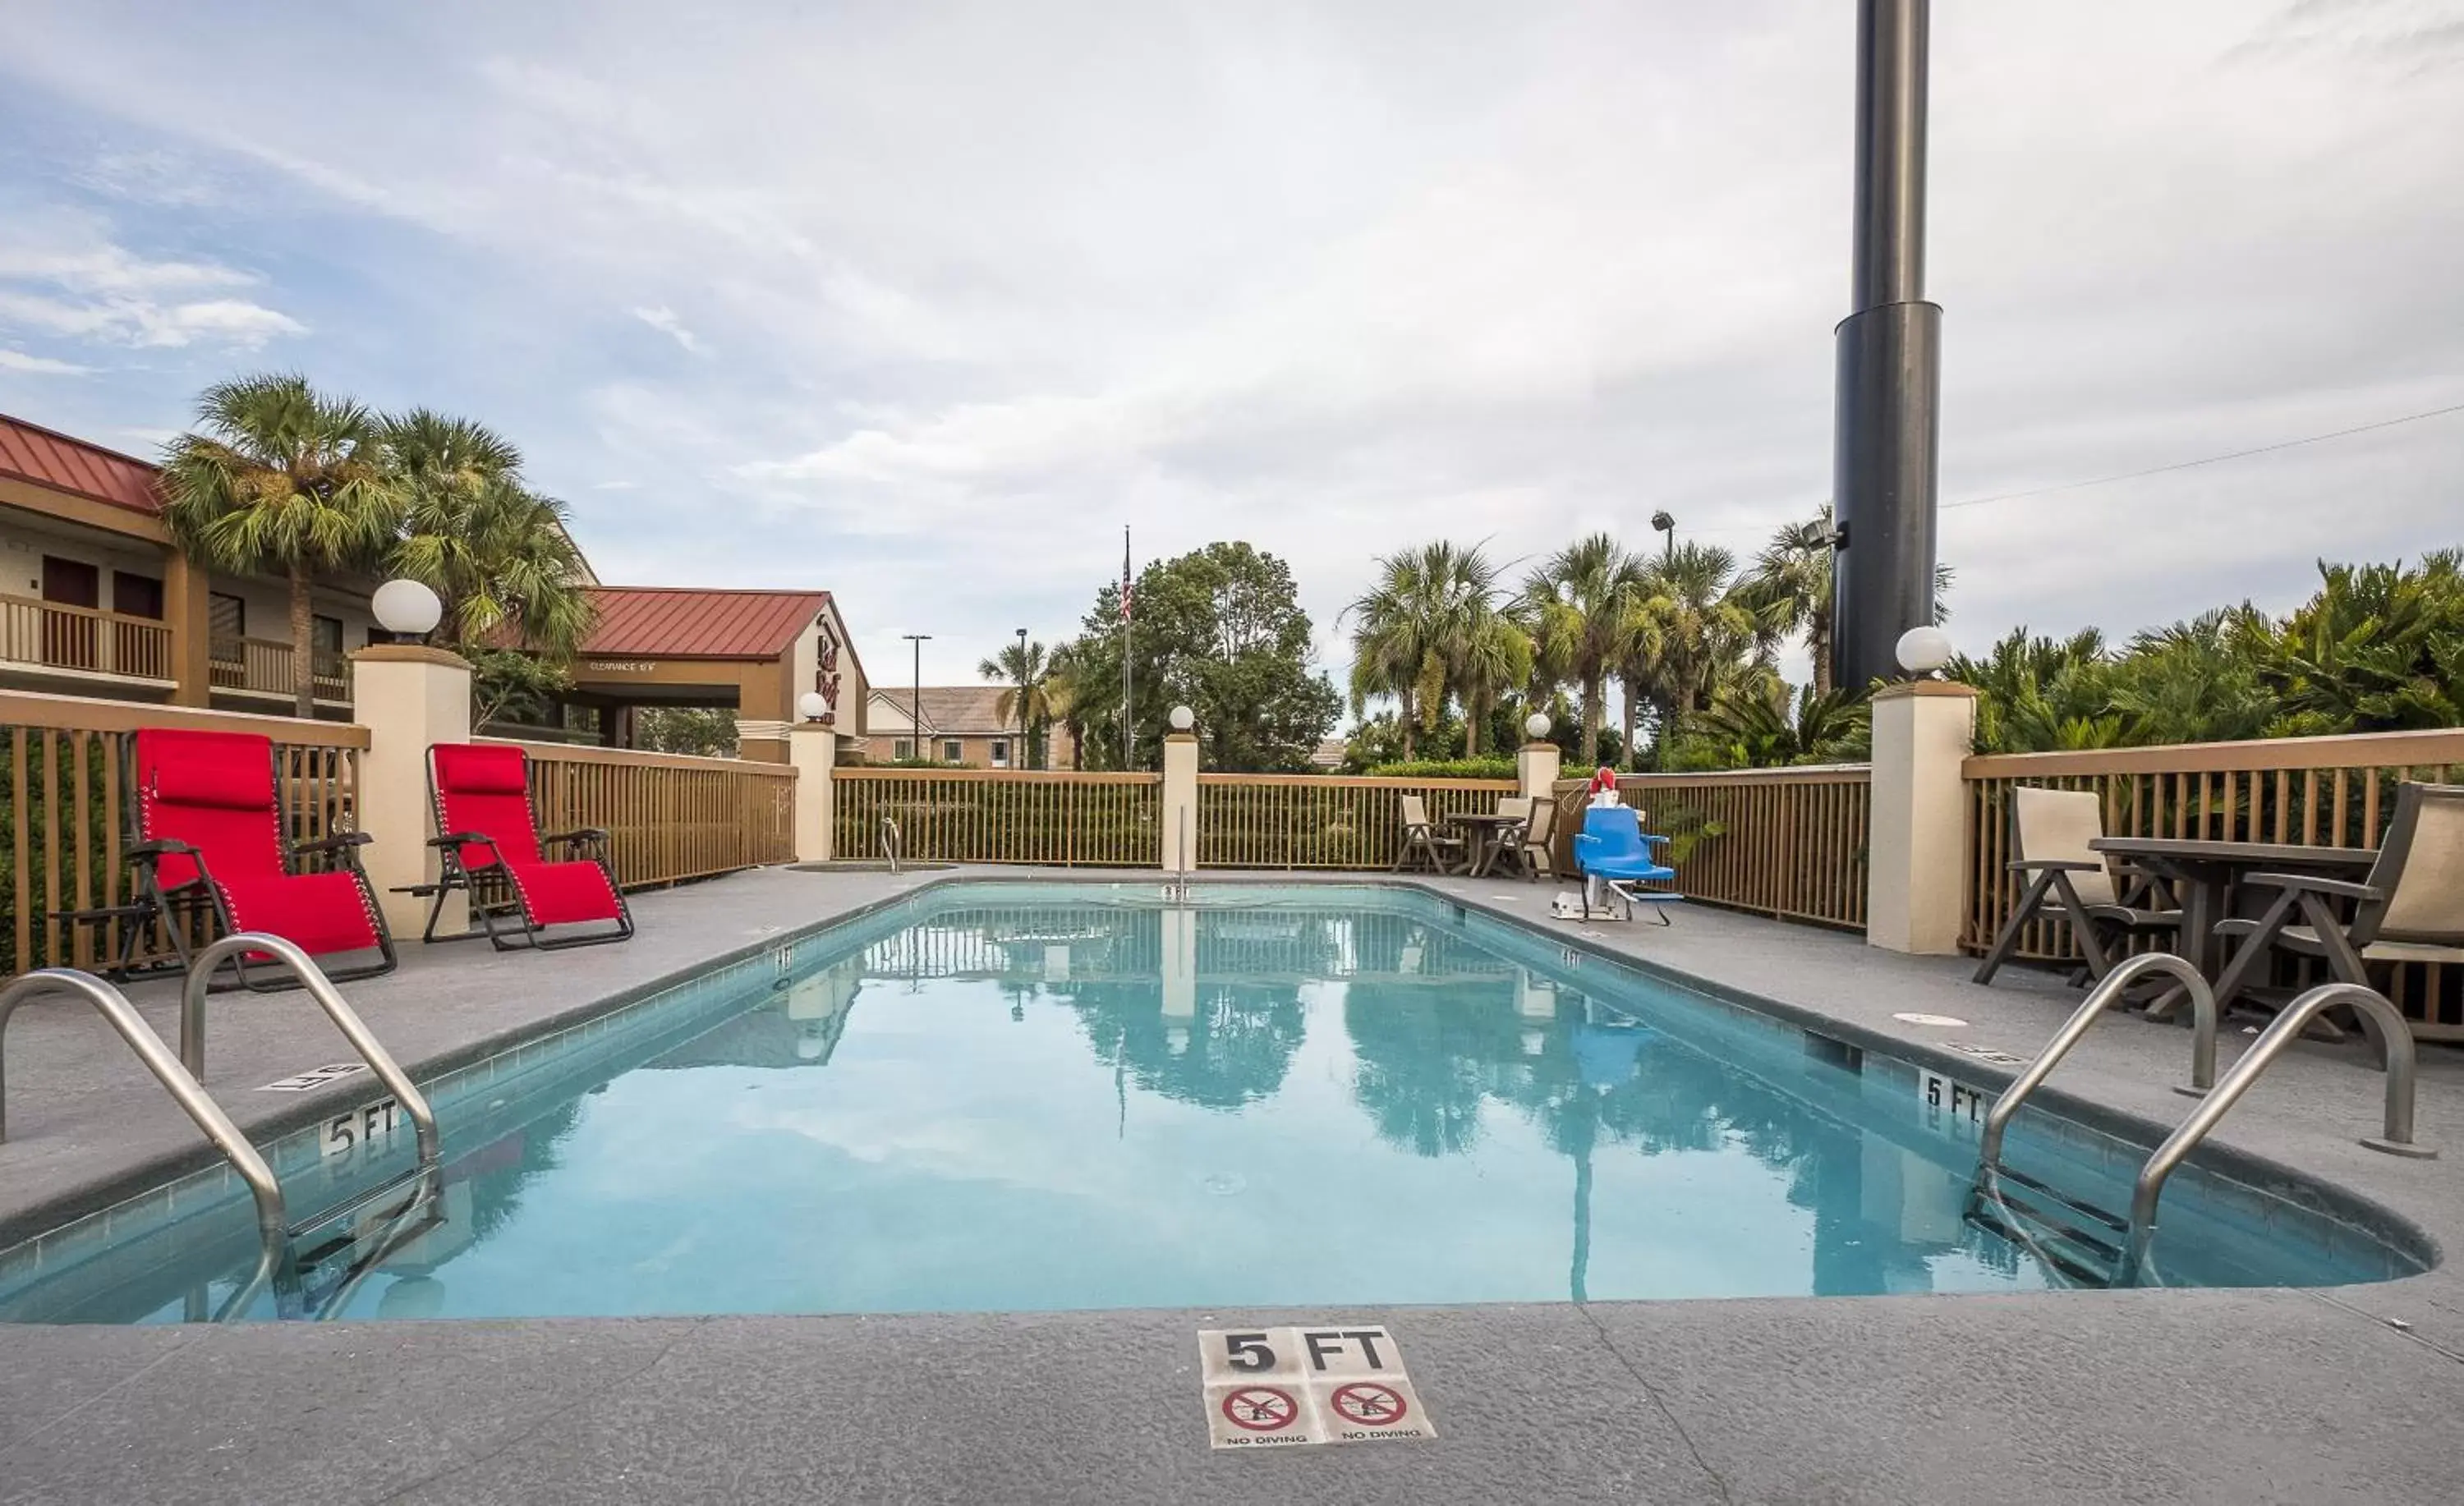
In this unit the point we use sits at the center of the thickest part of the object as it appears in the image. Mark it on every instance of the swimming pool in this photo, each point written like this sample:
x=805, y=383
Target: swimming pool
x=1019, y=1096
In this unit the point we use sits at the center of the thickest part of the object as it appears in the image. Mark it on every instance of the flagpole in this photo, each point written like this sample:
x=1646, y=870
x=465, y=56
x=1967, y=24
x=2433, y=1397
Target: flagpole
x=1129, y=704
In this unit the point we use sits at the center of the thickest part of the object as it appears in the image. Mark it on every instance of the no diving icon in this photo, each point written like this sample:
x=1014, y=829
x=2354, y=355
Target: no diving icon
x=1327, y=1382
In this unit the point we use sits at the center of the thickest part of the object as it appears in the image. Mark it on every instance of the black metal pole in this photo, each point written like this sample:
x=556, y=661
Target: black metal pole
x=915, y=701
x=1887, y=417
x=1022, y=761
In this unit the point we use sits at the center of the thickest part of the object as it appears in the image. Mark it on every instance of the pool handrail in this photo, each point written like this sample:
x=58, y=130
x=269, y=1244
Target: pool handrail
x=2396, y=1136
x=313, y=980
x=177, y=1079
x=2111, y=987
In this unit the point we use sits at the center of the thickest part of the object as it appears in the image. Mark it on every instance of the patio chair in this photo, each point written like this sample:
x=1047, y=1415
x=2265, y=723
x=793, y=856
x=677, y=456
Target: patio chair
x=488, y=837
x=1528, y=849
x=2410, y=908
x=1443, y=852
x=2100, y=897
x=1615, y=856
x=208, y=822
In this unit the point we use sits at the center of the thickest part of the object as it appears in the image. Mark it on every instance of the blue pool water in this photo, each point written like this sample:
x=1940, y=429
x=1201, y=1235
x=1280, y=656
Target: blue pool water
x=1003, y=1097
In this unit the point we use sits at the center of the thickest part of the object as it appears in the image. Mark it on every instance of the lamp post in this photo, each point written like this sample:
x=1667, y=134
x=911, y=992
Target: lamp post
x=1662, y=523
x=915, y=704
x=1020, y=761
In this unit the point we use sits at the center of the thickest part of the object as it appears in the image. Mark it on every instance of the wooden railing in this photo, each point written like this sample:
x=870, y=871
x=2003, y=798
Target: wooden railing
x=1002, y=815
x=668, y=816
x=263, y=665
x=59, y=636
x=63, y=779
x=2325, y=792
x=1304, y=821
x=1789, y=842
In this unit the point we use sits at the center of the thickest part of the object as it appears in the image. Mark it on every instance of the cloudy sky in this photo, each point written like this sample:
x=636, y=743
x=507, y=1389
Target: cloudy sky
x=922, y=302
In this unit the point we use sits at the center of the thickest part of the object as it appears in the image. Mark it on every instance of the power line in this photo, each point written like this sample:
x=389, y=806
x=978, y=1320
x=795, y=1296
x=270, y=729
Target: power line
x=2152, y=470
x=2206, y=460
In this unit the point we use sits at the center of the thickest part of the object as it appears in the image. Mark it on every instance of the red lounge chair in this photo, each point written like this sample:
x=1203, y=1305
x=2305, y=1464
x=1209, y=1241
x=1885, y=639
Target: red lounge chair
x=486, y=832
x=209, y=830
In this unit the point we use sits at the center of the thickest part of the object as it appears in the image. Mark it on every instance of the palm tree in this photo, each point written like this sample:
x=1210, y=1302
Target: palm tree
x=1064, y=698
x=284, y=480
x=1026, y=669
x=1699, y=633
x=1789, y=589
x=1413, y=627
x=1584, y=608
x=498, y=556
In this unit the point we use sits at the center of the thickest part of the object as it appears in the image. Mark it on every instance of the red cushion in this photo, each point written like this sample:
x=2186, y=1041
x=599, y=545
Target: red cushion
x=562, y=893
x=321, y=912
x=214, y=791
x=475, y=769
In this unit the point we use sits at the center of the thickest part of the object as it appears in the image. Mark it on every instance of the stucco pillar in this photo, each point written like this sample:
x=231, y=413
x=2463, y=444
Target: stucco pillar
x=813, y=753
x=1535, y=769
x=186, y=611
x=1917, y=848
x=409, y=696
x=1179, y=808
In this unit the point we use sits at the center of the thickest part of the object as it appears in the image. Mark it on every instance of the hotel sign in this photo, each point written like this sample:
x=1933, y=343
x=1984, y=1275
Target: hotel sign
x=620, y=666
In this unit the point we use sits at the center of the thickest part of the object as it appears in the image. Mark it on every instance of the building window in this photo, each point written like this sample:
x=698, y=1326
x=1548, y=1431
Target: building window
x=953, y=751
x=136, y=596
x=225, y=618
x=1001, y=753
x=904, y=748
x=71, y=582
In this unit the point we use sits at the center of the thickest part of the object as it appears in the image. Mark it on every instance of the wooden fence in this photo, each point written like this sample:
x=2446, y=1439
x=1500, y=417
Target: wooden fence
x=2328, y=792
x=668, y=818
x=1002, y=815
x=67, y=817
x=1272, y=820
x=1788, y=842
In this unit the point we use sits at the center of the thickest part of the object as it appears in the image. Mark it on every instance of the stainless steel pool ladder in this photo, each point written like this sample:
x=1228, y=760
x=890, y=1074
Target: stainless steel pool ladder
x=2217, y=1098
x=888, y=836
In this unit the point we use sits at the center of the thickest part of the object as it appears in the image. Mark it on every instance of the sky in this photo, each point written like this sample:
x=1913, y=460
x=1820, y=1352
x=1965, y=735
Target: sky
x=922, y=303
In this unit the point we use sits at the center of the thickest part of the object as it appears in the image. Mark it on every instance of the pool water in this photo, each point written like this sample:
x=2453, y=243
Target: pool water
x=1004, y=1097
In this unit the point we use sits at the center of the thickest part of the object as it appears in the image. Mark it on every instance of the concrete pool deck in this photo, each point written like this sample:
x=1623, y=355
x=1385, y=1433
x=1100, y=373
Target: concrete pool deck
x=2226, y=1395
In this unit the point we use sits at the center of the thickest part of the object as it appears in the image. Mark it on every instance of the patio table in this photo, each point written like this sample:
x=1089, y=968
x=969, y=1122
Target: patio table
x=1481, y=831
x=2203, y=873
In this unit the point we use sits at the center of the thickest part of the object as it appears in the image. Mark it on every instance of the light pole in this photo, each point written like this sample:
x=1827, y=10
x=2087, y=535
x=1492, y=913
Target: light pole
x=1022, y=760
x=1887, y=428
x=915, y=705
x=1662, y=523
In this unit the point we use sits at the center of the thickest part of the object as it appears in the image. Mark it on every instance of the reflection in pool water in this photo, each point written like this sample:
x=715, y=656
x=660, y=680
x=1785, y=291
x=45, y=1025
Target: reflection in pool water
x=1321, y=1101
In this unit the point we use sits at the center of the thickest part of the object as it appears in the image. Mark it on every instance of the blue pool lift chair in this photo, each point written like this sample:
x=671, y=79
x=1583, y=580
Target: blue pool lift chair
x=1616, y=858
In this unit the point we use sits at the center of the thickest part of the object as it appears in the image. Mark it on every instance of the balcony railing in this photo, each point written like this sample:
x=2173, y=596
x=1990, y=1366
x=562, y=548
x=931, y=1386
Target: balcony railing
x=57, y=636
x=263, y=666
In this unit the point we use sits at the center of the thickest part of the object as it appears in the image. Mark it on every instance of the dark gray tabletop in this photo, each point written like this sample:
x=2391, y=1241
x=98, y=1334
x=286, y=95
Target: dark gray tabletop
x=2240, y=854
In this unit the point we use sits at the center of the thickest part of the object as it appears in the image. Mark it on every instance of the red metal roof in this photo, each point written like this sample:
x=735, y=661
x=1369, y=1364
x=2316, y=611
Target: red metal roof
x=30, y=452
x=689, y=622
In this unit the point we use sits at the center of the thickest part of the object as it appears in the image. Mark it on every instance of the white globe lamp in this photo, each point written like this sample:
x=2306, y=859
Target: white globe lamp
x=812, y=706
x=1536, y=726
x=407, y=608
x=1183, y=718
x=1922, y=650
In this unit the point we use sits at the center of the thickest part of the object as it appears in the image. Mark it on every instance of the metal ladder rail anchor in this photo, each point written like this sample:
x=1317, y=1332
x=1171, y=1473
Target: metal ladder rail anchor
x=312, y=978
x=2203, y=1042
x=184, y=1086
x=2396, y=1138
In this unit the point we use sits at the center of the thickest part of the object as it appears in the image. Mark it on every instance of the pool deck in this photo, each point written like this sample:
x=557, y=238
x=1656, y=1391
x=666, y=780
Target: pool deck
x=2205, y=1395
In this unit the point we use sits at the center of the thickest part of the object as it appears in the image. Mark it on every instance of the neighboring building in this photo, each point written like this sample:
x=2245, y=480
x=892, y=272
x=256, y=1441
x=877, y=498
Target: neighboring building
x=1330, y=755
x=94, y=598
x=962, y=724
x=757, y=652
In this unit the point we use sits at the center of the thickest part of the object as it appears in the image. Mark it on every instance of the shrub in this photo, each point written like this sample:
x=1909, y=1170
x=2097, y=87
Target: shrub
x=1448, y=769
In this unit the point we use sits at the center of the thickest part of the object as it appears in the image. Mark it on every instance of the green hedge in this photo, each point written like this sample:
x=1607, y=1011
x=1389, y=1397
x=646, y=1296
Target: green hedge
x=1448, y=769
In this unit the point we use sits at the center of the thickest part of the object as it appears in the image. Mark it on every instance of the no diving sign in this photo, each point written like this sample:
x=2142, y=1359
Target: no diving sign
x=1330, y=1383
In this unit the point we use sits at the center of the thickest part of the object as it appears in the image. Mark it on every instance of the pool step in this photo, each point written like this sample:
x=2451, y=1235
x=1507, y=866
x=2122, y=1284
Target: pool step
x=413, y=1180
x=2077, y=1239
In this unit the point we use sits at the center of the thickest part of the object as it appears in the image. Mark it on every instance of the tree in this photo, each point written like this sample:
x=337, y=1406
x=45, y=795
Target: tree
x=1789, y=589
x=1024, y=670
x=704, y=732
x=1221, y=630
x=284, y=480
x=1582, y=608
x=498, y=556
x=1064, y=697
x=1695, y=634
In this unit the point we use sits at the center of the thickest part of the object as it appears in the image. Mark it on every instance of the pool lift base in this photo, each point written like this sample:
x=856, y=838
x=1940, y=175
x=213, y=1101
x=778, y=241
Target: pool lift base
x=1614, y=899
